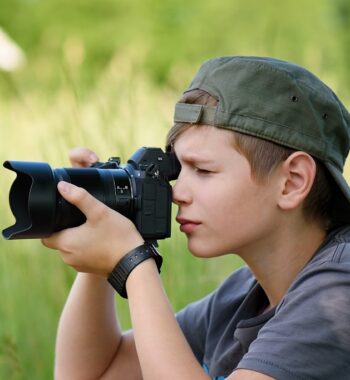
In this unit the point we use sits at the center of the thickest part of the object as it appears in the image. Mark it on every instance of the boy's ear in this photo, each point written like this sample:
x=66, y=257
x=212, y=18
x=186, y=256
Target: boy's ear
x=298, y=172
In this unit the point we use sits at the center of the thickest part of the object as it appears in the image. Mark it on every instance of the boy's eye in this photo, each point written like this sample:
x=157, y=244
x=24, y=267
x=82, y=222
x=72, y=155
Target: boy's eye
x=202, y=171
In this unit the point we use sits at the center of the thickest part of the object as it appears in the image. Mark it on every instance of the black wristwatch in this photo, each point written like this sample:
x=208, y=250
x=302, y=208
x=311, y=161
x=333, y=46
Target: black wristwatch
x=131, y=260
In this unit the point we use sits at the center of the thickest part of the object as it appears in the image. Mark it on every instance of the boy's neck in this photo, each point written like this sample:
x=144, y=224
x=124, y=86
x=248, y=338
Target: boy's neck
x=276, y=264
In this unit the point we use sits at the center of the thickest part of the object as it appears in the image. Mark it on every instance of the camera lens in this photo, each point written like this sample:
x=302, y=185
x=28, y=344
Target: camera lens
x=40, y=210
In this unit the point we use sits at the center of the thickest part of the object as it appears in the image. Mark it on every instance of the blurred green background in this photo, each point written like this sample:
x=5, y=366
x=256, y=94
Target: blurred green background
x=106, y=74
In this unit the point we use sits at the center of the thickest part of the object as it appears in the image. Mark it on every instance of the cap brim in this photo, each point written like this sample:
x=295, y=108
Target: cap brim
x=341, y=201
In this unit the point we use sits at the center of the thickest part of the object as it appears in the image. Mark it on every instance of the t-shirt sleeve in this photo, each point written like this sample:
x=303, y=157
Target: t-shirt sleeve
x=201, y=323
x=309, y=336
x=194, y=321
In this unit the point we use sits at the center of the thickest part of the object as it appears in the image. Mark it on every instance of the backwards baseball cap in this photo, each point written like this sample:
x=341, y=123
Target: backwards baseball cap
x=280, y=102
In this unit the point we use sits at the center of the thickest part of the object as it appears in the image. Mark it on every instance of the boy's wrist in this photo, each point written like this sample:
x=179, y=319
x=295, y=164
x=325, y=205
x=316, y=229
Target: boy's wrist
x=117, y=278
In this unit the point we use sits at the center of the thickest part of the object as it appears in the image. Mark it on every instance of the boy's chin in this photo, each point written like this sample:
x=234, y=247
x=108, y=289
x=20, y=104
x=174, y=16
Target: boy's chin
x=201, y=249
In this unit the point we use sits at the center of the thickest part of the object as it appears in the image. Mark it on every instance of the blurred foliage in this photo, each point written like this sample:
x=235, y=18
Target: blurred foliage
x=168, y=36
x=342, y=25
x=106, y=74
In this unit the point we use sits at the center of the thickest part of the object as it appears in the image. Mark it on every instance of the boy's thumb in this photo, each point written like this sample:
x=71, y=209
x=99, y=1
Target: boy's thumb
x=79, y=197
x=65, y=188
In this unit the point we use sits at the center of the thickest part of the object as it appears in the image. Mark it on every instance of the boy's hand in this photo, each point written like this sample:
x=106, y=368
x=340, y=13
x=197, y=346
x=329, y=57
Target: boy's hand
x=97, y=245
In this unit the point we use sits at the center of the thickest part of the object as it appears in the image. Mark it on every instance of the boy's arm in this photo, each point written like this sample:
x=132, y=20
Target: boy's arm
x=89, y=341
x=162, y=348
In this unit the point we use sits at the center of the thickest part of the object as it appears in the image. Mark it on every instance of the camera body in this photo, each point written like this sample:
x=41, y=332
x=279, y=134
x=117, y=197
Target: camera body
x=139, y=189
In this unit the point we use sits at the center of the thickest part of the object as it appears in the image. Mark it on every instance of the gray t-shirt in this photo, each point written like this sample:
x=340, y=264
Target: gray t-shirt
x=307, y=335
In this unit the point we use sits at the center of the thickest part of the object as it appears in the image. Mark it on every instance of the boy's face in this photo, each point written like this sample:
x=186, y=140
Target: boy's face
x=221, y=208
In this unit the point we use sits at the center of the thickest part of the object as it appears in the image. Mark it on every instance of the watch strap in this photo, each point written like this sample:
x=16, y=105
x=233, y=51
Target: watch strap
x=131, y=260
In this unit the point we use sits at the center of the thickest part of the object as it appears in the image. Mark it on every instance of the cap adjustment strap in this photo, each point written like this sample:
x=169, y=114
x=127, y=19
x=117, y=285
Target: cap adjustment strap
x=194, y=114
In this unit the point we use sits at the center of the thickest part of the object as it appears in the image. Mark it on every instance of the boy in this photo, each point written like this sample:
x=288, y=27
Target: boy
x=261, y=143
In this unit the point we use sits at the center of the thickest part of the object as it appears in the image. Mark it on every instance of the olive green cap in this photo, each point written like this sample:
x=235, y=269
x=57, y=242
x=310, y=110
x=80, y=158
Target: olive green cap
x=280, y=102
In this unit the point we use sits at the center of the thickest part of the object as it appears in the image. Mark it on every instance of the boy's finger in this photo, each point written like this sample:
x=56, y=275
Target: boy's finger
x=54, y=241
x=79, y=197
x=82, y=157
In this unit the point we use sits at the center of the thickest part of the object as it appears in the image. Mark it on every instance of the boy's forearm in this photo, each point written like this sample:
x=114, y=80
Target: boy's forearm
x=88, y=333
x=162, y=349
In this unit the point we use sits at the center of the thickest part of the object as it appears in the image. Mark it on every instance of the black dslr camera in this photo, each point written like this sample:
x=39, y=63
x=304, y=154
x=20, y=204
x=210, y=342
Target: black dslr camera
x=139, y=190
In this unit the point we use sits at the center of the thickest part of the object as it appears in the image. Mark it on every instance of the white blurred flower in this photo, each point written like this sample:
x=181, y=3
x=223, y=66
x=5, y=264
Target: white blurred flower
x=11, y=55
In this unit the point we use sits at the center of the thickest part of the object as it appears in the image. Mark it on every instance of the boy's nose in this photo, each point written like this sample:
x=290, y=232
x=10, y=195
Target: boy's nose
x=181, y=192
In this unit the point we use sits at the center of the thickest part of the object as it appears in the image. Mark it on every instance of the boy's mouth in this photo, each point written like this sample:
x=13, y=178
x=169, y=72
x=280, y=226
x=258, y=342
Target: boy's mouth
x=186, y=225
